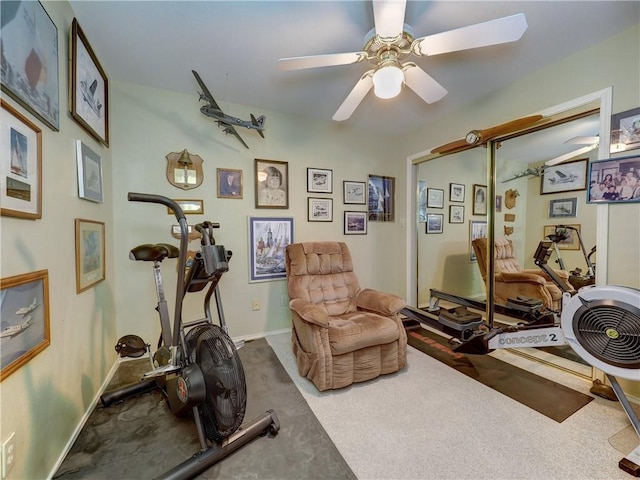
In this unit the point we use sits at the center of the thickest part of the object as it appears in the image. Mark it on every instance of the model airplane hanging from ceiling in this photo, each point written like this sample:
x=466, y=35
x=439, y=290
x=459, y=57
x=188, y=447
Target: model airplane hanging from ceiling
x=227, y=121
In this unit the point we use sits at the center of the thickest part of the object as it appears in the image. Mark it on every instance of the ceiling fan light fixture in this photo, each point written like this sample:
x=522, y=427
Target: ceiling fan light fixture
x=387, y=81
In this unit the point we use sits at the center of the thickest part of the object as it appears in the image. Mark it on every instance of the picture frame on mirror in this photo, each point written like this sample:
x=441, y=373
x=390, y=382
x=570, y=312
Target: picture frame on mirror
x=572, y=240
x=479, y=199
x=456, y=213
x=434, y=223
x=477, y=229
x=563, y=207
x=435, y=198
x=456, y=192
x=565, y=177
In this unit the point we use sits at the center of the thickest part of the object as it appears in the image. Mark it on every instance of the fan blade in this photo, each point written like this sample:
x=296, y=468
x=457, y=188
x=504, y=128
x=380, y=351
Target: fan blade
x=588, y=140
x=315, y=61
x=388, y=16
x=569, y=156
x=493, y=32
x=355, y=97
x=488, y=134
x=422, y=84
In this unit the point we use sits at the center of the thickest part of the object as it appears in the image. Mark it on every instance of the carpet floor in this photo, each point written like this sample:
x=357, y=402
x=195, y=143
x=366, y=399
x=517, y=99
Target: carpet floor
x=141, y=439
x=545, y=396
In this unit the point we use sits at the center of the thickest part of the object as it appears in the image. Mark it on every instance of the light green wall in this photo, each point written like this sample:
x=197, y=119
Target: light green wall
x=150, y=123
x=45, y=401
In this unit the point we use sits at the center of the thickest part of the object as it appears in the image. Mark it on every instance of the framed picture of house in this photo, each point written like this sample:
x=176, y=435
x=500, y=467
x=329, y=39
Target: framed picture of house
x=20, y=165
x=30, y=60
x=25, y=317
x=89, y=87
x=268, y=239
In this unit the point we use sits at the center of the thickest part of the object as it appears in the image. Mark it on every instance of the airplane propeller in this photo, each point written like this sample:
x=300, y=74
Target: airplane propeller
x=391, y=42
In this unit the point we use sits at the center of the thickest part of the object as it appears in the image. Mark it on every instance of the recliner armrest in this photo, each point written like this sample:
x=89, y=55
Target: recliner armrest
x=520, y=277
x=309, y=312
x=563, y=274
x=379, y=302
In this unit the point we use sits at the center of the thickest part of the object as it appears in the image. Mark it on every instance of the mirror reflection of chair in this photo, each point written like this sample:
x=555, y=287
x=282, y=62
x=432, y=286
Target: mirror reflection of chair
x=512, y=281
x=341, y=334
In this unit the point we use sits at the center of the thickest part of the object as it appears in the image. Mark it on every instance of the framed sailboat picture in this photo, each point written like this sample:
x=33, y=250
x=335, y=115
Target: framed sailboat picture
x=268, y=238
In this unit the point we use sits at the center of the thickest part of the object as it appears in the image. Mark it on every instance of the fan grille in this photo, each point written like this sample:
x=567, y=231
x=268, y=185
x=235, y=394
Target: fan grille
x=610, y=331
x=223, y=410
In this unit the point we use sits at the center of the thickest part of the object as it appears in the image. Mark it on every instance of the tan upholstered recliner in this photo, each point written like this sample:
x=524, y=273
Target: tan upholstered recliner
x=341, y=334
x=511, y=280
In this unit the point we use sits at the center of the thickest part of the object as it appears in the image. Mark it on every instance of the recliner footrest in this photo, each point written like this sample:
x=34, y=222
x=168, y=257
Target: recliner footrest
x=459, y=318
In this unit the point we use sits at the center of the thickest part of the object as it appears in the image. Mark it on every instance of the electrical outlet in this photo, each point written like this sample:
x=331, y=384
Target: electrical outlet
x=255, y=304
x=8, y=454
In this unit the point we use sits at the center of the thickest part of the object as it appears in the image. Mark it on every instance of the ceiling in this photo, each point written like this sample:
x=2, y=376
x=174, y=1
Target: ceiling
x=234, y=46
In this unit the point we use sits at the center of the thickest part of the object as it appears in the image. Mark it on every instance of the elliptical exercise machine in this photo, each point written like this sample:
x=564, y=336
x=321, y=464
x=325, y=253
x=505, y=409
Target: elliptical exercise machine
x=196, y=366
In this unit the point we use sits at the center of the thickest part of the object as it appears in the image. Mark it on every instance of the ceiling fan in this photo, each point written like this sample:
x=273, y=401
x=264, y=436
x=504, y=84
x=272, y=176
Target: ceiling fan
x=591, y=142
x=391, y=42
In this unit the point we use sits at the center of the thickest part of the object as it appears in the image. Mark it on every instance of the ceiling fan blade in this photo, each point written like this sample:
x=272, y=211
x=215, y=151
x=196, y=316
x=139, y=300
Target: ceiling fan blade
x=355, y=97
x=422, y=83
x=388, y=16
x=493, y=32
x=569, y=156
x=315, y=61
x=588, y=140
x=485, y=135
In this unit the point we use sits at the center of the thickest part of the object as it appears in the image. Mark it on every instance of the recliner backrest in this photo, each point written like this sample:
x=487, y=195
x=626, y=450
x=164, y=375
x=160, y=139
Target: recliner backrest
x=505, y=259
x=322, y=273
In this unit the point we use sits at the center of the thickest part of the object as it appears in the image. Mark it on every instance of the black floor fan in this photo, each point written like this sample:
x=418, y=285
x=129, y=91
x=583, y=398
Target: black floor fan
x=197, y=366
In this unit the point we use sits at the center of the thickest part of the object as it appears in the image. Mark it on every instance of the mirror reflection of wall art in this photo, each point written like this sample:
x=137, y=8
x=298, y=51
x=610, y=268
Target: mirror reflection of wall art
x=625, y=130
x=456, y=214
x=563, y=207
x=565, y=177
x=570, y=240
x=89, y=87
x=20, y=165
x=479, y=199
x=25, y=319
x=90, y=250
x=89, y=173
x=381, y=198
x=434, y=222
x=456, y=192
x=435, y=198
x=477, y=229
x=30, y=59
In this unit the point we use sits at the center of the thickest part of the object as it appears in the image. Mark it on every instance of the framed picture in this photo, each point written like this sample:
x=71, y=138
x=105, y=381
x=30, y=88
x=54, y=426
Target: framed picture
x=435, y=198
x=434, y=222
x=89, y=173
x=89, y=87
x=625, y=130
x=355, y=223
x=354, y=193
x=229, y=183
x=319, y=180
x=20, y=165
x=456, y=192
x=189, y=207
x=30, y=60
x=477, y=229
x=498, y=203
x=272, y=184
x=422, y=201
x=616, y=180
x=563, y=207
x=456, y=214
x=571, y=240
x=320, y=210
x=381, y=198
x=90, y=249
x=565, y=177
x=479, y=199
x=268, y=238
x=25, y=319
